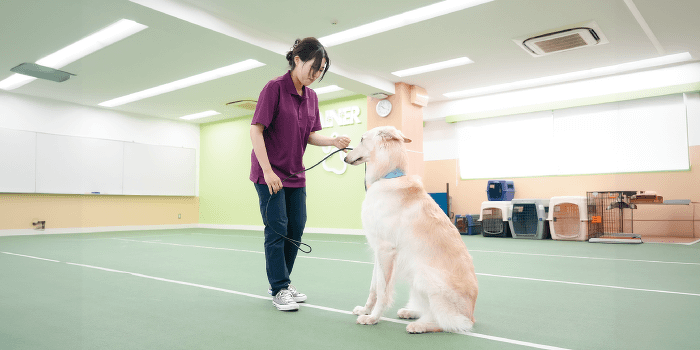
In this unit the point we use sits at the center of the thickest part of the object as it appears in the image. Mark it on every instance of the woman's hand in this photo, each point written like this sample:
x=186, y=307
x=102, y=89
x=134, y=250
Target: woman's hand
x=273, y=181
x=341, y=142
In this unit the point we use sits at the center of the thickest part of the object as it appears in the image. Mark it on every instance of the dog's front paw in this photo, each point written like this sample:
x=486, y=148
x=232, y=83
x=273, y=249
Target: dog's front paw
x=408, y=314
x=422, y=327
x=367, y=319
x=360, y=310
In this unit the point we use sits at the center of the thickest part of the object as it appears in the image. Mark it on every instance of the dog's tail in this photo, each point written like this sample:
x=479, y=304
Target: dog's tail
x=455, y=323
x=454, y=315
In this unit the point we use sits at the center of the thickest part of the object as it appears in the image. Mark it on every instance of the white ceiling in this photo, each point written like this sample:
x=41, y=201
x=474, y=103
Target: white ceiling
x=188, y=37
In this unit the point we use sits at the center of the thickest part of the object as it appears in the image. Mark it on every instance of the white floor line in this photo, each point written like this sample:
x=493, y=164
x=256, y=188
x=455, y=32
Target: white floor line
x=477, y=335
x=95, y=239
x=589, y=284
x=28, y=256
x=585, y=257
x=238, y=250
x=189, y=245
x=480, y=274
x=262, y=237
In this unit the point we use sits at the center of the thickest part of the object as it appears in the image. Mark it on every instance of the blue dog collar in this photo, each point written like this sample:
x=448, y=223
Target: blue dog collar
x=393, y=174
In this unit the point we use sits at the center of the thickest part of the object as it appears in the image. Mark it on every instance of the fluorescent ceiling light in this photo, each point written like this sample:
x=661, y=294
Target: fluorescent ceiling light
x=327, y=89
x=585, y=74
x=433, y=67
x=79, y=49
x=200, y=115
x=183, y=83
x=397, y=21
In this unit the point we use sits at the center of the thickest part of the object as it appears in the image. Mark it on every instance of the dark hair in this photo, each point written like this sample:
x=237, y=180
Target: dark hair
x=309, y=49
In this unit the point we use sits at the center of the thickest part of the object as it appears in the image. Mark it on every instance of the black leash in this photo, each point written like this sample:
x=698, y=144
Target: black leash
x=268, y=202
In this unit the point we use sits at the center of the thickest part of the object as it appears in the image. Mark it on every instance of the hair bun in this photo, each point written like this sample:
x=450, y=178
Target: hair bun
x=289, y=56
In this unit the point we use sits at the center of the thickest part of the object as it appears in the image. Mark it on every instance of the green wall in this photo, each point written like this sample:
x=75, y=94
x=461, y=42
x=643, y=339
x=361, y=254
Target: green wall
x=227, y=197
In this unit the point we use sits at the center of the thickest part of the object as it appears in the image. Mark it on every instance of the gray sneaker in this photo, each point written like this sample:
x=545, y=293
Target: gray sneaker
x=298, y=297
x=284, y=301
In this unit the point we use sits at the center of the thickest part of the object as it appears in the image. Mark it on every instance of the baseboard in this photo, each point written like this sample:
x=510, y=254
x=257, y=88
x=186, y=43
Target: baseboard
x=49, y=231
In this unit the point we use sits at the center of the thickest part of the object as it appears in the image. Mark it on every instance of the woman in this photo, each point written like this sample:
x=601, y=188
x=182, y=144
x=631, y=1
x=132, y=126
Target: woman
x=286, y=120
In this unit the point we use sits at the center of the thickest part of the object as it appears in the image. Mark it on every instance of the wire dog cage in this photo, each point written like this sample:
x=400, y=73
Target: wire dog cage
x=606, y=217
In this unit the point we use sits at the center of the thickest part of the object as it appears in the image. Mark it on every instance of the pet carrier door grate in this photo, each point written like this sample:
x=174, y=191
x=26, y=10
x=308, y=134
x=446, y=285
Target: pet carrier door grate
x=568, y=218
x=525, y=219
x=528, y=218
x=494, y=218
x=493, y=221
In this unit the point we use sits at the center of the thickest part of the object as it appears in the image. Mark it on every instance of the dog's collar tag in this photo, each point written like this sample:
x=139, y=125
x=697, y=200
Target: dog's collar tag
x=395, y=173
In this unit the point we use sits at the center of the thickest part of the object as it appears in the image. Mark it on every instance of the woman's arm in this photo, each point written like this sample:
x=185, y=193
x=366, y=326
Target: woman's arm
x=339, y=142
x=256, y=136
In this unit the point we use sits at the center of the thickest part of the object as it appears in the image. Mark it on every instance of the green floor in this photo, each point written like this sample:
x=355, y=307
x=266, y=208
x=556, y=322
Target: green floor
x=197, y=288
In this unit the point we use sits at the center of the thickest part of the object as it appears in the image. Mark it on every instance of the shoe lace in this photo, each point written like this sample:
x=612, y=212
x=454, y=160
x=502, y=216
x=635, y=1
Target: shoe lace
x=285, y=296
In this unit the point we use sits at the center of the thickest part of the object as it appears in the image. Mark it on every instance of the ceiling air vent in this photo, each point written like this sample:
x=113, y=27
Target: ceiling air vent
x=41, y=72
x=573, y=37
x=245, y=104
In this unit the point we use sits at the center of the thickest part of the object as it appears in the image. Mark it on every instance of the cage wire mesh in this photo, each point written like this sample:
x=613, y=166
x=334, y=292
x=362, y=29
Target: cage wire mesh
x=607, y=217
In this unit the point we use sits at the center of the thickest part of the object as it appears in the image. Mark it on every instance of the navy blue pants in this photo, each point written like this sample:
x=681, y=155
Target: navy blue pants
x=286, y=215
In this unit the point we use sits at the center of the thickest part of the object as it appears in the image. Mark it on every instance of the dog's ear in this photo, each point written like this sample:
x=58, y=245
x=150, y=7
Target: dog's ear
x=405, y=139
x=392, y=133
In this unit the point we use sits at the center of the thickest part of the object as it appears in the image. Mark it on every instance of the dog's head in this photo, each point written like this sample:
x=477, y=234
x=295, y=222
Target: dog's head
x=382, y=137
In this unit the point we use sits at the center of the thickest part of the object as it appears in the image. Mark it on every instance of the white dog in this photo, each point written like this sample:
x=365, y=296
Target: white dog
x=413, y=239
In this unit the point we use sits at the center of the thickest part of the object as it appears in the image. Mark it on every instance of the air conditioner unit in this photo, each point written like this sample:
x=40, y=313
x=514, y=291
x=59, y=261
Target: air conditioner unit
x=562, y=39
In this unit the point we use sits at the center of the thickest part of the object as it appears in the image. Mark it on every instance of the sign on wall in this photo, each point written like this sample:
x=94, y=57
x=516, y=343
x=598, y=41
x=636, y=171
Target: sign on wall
x=341, y=117
x=338, y=117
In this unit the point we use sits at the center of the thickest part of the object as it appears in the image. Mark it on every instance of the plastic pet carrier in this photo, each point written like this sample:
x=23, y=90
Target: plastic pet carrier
x=500, y=190
x=528, y=218
x=568, y=218
x=494, y=218
x=468, y=224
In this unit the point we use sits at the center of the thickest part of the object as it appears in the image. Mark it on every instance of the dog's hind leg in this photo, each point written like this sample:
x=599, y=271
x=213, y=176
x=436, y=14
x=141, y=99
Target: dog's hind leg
x=383, y=280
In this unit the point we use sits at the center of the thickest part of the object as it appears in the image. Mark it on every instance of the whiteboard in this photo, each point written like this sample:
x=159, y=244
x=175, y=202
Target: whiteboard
x=17, y=161
x=78, y=165
x=32, y=162
x=159, y=170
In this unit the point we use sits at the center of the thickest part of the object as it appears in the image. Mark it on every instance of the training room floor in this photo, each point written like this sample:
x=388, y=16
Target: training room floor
x=207, y=289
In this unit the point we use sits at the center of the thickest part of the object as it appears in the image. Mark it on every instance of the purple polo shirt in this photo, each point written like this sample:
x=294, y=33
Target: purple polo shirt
x=289, y=119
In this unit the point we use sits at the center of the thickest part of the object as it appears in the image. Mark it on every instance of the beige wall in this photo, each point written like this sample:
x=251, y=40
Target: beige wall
x=406, y=117
x=649, y=220
x=18, y=211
